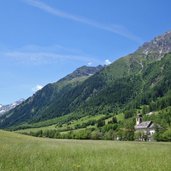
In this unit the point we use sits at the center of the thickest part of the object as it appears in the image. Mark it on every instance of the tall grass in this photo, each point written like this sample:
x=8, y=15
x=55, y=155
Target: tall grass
x=24, y=153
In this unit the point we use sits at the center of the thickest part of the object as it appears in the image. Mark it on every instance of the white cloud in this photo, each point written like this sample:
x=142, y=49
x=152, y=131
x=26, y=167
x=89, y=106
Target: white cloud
x=37, y=88
x=89, y=64
x=107, y=62
x=117, y=29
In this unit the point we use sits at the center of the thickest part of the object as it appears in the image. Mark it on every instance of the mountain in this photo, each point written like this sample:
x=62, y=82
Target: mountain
x=6, y=108
x=141, y=78
x=34, y=107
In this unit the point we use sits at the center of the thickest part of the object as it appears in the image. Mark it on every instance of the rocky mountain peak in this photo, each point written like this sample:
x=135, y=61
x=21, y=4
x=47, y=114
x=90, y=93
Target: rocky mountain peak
x=6, y=108
x=159, y=46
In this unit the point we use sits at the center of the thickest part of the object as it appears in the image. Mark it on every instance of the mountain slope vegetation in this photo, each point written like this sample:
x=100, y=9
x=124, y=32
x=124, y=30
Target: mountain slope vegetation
x=139, y=80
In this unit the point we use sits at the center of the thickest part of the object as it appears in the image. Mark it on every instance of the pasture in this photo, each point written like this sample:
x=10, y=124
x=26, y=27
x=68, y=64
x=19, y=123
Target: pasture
x=25, y=153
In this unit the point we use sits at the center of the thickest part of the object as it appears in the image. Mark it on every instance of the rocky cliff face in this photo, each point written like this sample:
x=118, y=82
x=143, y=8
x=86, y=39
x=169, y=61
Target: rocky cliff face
x=159, y=46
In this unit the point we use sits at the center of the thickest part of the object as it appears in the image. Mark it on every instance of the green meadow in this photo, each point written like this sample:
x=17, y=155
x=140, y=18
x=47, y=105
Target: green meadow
x=65, y=127
x=25, y=153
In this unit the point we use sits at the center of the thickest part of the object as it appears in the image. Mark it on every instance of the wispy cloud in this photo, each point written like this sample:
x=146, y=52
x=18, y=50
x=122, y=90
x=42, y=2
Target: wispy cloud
x=52, y=48
x=117, y=29
x=47, y=57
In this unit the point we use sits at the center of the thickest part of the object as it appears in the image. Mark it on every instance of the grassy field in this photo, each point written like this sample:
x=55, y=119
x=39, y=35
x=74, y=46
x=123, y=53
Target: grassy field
x=24, y=153
x=64, y=127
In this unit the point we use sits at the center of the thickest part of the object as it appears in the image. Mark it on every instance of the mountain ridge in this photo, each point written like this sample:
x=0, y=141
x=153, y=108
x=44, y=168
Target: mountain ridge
x=109, y=90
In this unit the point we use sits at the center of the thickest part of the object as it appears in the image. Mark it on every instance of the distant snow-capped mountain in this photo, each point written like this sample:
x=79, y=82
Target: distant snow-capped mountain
x=6, y=108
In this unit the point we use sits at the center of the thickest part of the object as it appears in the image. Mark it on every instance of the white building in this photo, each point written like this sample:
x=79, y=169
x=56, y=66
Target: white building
x=144, y=130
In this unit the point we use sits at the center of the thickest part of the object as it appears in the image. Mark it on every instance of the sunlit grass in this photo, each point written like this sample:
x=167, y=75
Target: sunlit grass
x=24, y=153
x=64, y=127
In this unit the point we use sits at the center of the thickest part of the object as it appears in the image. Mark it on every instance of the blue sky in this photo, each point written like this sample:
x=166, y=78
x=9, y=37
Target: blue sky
x=44, y=40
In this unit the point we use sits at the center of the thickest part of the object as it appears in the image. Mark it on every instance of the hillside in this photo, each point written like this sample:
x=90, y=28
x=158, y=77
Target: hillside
x=41, y=101
x=150, y=92
x=139, y=79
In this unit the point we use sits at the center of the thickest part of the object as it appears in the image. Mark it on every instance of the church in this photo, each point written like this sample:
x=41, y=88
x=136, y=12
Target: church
x=144, y=129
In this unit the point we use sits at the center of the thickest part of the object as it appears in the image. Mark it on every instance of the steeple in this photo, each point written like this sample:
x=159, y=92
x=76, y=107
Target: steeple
x=139, y=119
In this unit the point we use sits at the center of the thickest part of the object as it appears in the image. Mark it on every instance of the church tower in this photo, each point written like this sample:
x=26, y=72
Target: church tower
x=139, y=119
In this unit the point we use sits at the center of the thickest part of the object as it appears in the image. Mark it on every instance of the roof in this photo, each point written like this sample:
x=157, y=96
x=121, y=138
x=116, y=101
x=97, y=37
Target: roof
x=144, y=125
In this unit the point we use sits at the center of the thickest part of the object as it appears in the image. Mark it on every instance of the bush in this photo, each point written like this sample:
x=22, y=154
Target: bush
x=100, y=123
x=163, y=136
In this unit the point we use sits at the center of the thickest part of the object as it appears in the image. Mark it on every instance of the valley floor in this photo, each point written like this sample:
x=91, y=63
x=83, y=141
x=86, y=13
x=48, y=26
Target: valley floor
x=25, y=153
